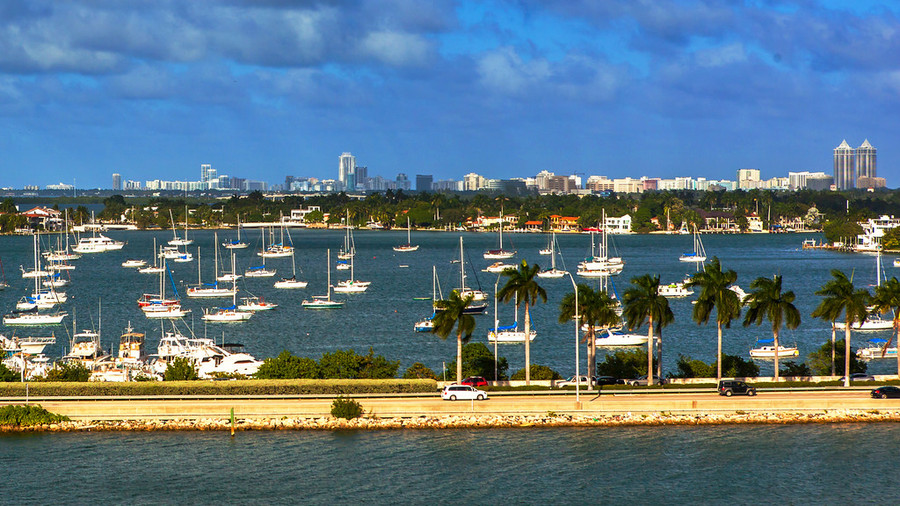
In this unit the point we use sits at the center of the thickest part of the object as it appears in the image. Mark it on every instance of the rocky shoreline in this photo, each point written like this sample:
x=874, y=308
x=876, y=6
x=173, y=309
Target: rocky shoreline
x=463, y=422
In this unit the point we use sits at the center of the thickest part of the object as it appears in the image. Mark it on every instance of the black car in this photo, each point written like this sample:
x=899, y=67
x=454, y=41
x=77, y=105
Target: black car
x=886, y=392
x=607, y=380
x=735, y=387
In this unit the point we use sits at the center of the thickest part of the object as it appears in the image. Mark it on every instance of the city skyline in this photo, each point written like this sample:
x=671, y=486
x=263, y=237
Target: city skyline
x=503, y=89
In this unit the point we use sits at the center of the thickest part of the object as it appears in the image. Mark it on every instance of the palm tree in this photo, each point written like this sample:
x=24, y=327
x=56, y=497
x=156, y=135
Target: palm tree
x=840, y=296
x=766, y=301
x=887, y=299
x=523, y=287
x=452, y=313
x=595, y=309
x=715, y=294
x=644, y=303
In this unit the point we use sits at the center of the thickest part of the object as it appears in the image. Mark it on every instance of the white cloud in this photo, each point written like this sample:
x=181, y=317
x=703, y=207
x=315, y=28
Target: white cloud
x=396, y=48
x=721, y=56
x=504, y=71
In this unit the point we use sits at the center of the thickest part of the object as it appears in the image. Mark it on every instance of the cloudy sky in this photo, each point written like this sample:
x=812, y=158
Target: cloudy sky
x=268, y=88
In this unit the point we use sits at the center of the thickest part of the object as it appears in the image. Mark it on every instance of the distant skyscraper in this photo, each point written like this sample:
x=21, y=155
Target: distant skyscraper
x=347, y=171
x=204, y=172
x=117, y=181
x=844, y=177
x=424, y=182
x=865, y=161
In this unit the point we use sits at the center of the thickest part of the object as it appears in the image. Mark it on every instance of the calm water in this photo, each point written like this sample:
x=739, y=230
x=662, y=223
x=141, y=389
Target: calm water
x=383, y=317
x=800, y=464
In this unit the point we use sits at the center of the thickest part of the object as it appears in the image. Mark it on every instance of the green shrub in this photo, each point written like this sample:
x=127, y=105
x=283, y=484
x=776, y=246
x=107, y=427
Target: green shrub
x=732, y=367
x=72, y=371
x=328, y=388
x=692, y=368
x=794, y=369
x=344, y=407
x=538, y=372
x=349, y=364
x=7, y=375
x=820, y=360
x=477, y=361
x=180, y=369
x=288, y=366
x=624, y=364
x=419, y=370
x=24, y=416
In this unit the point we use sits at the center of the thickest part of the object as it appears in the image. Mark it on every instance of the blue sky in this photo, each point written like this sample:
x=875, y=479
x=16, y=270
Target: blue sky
x=267, y=88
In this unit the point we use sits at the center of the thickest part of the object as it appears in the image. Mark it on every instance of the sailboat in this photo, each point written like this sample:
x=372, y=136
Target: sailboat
x=260, y=271
x=236, y=244
x=42, y=298
x=323, y=301
x=549, y=249
x=699, y=253
x=231, y=314
x=3, y=283
x=873, y=321
x=408, y=246
x=157, y=305
x=509, y=333
x=280, y=249
x=766, y=351
x=180, y=241
x=478, y=304
x=62, y=254
x=156, y=268
x=229, y=276
x=210, y=290
x=553, y=272
x=427, y=323
x=31, y=317
x=601, y=264
x=499, y=253
x=254, y=303
x=291, y=282
x=348, y=250
x=351, y=285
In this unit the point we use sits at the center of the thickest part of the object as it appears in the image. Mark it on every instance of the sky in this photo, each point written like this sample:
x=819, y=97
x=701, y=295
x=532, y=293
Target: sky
x=262, y=89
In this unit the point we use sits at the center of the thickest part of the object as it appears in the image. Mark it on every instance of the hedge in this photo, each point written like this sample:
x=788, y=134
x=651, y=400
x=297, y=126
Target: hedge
x=208, y=387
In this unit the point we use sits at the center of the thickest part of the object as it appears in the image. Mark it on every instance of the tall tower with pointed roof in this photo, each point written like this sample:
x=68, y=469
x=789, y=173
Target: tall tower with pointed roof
x=844, y=169
x=865, y=160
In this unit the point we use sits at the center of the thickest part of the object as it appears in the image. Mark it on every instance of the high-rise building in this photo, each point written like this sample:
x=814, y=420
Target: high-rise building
x=205, y=168
x=865, y=161
x=424, y=182
x=844, y=170
x=117, y=181
x=347, y=171
x=402, y=182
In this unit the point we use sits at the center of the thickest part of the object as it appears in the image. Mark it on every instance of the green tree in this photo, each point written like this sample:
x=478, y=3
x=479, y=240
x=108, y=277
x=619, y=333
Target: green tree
x=452, y=312
x=688, y=367
x=377, y=367
x=841, y=230
x=624, y=364
x=288, y=366
x=180, y=369
x=821, y=361
x=792, y=368
x=887, y=300
x=72, y=371
x=840, y=296
x=419, y=371
x=595, y=309
x=477, y=360
x=716, y=294
x=522, y=286
x=643, y=303
x=8, y=206
x=6, y=375
x=766, y=301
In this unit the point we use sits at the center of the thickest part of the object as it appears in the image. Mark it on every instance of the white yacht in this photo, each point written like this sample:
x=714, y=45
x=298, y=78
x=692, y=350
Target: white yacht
x=767, y=352
x=409, y=246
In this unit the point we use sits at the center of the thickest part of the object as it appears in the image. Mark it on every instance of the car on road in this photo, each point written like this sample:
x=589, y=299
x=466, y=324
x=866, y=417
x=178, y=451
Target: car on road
x=463, y=393
x=474, y=381
x=860, y=376
x=641, y=381
x=886, y=392
x=735, y=387
x=607, y=380
x=583, y=380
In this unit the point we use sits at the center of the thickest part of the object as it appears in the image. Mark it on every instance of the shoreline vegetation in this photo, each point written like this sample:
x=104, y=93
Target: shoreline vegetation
x=549, y=420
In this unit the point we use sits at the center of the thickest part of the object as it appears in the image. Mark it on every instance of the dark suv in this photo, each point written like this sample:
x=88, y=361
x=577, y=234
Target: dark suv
x=732, y=387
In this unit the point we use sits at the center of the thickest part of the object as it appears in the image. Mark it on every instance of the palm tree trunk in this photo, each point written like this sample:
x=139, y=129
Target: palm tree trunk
x=775, y=335
x=650, y=354
x=719, y=354
x=592, y=346
x=897, y=341
x=659, y=356
x=527, y=345
x=847, y=353
x=833, y=331
x=459, y=357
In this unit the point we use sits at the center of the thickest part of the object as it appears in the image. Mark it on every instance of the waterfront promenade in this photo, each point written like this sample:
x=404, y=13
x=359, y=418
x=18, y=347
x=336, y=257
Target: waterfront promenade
x=500, y=404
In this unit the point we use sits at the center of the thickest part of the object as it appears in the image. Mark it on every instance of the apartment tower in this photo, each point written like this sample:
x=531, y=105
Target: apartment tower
x=865, y=160
x=844, y=169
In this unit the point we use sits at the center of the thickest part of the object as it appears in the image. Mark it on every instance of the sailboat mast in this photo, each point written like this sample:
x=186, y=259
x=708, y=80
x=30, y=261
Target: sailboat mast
x=328, y=263
x=462, y=267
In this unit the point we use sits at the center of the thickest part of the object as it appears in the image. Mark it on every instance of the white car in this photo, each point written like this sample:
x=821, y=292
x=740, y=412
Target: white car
x=462, y=392
x=583, y=380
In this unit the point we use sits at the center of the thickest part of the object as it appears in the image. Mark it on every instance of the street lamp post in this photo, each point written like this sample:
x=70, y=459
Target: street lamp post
x=577, y=358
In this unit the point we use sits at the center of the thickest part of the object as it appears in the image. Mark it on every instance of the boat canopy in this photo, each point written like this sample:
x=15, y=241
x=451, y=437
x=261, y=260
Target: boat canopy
x=506, y=327
x=766, y=341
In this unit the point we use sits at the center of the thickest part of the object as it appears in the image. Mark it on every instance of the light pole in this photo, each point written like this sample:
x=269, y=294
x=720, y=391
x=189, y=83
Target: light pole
x=577, y=359
x=496, y=284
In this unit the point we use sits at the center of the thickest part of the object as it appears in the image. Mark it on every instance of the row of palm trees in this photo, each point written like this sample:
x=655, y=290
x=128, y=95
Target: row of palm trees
x=642, y=304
